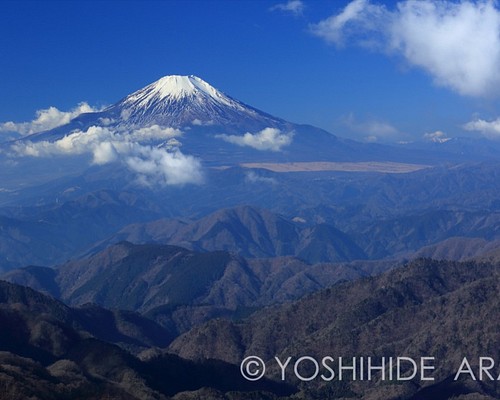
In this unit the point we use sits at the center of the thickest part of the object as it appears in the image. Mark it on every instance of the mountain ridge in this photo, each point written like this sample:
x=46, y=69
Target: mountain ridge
x=248, y=231
x=426, y=308
x=179, y=288
x=218, y=128
x=186, y=102
x=46, y=353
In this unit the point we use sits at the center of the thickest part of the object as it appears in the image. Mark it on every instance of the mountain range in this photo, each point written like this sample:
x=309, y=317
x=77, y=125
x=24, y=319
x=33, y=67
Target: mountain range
x=179, y=162
x=186, y=113
x=164, y=238
x=190, y=103
x=426, y=307
x=248, y=231
x=51, y=351
x=179, y=288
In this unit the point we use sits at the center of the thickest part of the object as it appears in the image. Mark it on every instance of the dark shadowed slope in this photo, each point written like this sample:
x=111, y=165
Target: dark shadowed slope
x=47, y=353
x=444, y=310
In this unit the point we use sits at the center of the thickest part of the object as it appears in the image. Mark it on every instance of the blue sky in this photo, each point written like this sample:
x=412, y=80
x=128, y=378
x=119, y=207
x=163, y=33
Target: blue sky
x=362, y=69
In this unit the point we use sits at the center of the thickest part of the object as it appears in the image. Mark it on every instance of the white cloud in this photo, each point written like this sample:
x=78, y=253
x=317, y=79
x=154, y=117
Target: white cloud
x=372, y=130
x=106, y=121
x=490, y=129
x=380, y=128
x=167, y=167
x=46, y=119
x=253, y=177
x=164, y=164
x=199, y=122
x=171, y=144
x=295, y=7
x=457, y=43
x=268, y=139
x=154, y=132
x=358, y=21
x=104, y=153
x=436, y=137
x=125, y=114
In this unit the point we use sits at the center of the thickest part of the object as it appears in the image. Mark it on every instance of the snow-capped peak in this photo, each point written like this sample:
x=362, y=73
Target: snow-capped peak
x=179, y=101
x=174, y=101
x=179, y=86
x=175, y=88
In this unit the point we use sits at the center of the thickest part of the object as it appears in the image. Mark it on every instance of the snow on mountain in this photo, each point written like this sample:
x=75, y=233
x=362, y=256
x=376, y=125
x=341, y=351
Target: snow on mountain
x=175, y=101
x=145, y=132
x=186, y=111
x=173, y=88
x=179, y=101
x=169, y=130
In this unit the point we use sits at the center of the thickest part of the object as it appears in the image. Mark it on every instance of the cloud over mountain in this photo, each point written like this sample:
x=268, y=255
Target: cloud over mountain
x=436, y=137
x=267, y=139
x=490, y=129
x=372, y=130
x=457, y=43
x=164, y=164
x=46, y=119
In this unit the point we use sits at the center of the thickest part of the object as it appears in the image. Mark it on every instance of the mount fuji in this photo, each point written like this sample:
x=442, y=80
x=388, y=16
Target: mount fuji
x=180, y=101
x=216, y=128
x=173, y=101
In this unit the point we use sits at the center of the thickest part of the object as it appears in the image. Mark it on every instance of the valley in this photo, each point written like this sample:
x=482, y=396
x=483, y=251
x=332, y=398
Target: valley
x=389, y=167
x=148, y=248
